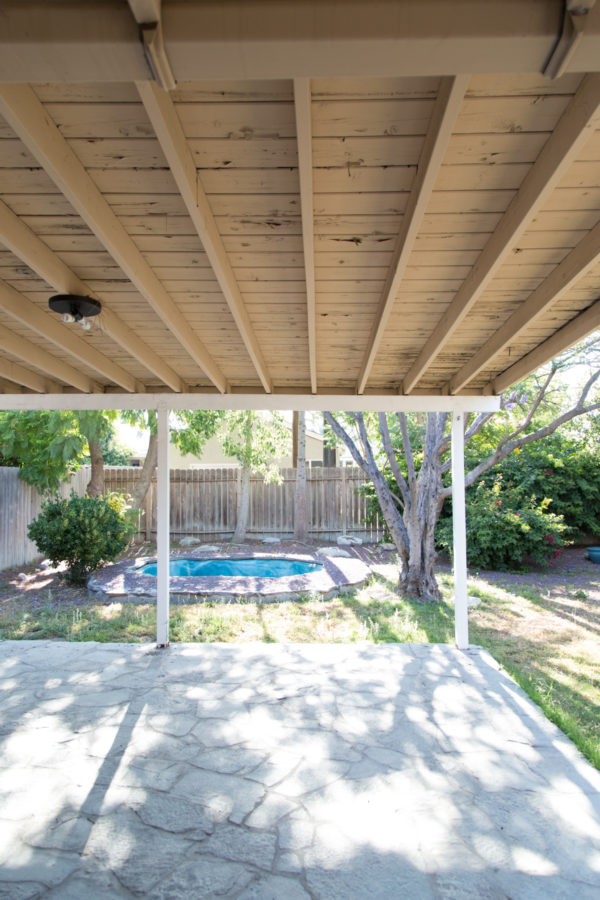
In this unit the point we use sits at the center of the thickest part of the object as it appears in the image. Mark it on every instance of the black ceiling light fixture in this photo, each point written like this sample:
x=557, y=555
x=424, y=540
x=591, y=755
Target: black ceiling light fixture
x=75, y=308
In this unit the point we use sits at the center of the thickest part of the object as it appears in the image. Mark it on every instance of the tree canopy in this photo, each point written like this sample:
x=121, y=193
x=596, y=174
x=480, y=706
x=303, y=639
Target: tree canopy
x=48, y=445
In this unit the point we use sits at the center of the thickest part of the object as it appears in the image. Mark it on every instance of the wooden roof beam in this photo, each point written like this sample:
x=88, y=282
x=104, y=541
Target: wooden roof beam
x=19, y=238
x=18, y=374
x=445, y=111
x=575, y=330
x=585, y=255
x=302, y=102
x=172, y=140
x=51, y=329
x=36, y=356
x=98, y=41
x=28, y=118
x=562, y=148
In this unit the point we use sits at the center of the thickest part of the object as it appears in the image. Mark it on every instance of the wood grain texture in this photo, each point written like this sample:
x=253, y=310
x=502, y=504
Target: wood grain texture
x=363, y=157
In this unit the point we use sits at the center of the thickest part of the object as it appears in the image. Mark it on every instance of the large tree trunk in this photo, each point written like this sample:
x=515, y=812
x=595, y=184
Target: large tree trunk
x=243, y=509
x=422, y=513
x=411, y=530
x=145, y=479
x=300, y=498
x=95, y=486
x=417, y=578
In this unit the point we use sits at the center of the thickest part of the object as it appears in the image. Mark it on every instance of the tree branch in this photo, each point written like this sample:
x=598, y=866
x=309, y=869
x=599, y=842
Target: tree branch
x=534, y=407
x=508, y=448
x=408, y=453
x=343, y=435
x=364, y=439
x=393, y=462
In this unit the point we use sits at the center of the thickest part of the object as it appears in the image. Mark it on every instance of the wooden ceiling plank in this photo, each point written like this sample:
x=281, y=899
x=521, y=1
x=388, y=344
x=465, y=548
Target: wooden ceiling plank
x=585, y=255
x=28, y=118
x=574, y=129
x=169, y=132
x=575, y=330
x=445, y=111
x=302, y=103
x=50, y=328
x=36, y=356
x=18, y=374
x=25, y=244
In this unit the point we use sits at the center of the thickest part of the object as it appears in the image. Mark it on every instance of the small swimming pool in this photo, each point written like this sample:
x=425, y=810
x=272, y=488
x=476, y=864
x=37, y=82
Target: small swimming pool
x=256, y=568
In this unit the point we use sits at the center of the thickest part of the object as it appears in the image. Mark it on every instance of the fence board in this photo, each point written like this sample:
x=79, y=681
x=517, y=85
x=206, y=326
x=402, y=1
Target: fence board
x=203, y=504
x=20, y=504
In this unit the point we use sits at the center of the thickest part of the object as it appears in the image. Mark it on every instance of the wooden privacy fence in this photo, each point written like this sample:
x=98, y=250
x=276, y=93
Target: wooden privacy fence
x=204, y=502
x=20, y=504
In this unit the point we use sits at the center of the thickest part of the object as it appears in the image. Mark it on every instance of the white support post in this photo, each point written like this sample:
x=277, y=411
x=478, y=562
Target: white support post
x=459, y=528
x=163, y=530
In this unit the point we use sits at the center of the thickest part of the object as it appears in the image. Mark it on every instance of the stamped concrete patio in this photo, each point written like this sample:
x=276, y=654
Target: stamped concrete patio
x=285, y=772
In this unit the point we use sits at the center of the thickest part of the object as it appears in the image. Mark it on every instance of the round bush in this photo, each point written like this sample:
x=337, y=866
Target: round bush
x=84, y=532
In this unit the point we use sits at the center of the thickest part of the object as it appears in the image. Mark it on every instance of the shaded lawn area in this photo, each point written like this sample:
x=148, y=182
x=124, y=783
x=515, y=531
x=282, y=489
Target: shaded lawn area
x=543, y=627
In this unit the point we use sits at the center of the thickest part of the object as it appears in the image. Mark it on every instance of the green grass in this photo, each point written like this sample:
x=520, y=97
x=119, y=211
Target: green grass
x=546, y=642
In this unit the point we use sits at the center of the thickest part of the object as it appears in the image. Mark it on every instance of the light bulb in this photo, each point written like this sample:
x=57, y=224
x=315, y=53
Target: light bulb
x=85, y=324
x=67, y=318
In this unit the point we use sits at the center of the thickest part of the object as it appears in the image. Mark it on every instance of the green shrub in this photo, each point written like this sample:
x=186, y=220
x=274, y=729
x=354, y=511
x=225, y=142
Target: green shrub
x=84, y=532
x=502, y=534
x=561, y=468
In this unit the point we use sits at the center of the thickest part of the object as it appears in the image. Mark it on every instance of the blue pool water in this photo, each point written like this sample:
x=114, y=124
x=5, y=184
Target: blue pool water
x=258, y=568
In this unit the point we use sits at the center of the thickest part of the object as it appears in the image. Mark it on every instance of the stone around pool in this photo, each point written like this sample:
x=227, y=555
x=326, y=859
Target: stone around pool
x=124, y=581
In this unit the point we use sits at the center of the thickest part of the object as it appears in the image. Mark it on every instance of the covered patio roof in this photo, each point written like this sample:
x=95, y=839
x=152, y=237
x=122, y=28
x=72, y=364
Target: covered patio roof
x=302, y=198
x=307, y=204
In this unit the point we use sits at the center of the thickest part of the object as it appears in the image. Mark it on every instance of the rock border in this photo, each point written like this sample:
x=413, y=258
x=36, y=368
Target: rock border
x=123, y=581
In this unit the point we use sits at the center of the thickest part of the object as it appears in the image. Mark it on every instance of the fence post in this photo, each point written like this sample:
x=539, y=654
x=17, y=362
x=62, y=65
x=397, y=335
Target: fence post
x=344, y=504
x=148, y=512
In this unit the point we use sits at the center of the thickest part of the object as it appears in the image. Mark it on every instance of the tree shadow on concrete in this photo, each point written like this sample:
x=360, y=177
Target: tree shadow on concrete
x=285, y=771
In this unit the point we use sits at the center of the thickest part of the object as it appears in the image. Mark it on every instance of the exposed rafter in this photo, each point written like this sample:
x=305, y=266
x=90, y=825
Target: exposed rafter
x=18, y=374
x=561, y=149
x=585, y=255
x=19, y=238
x=575, y=330
x=28, y=118
x=171, y=138
x=450, y=96
x=302, y=100
x=26, y=312
x=36, y=356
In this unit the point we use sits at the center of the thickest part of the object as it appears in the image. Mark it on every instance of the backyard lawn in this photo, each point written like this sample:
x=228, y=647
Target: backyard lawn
x=543, y=627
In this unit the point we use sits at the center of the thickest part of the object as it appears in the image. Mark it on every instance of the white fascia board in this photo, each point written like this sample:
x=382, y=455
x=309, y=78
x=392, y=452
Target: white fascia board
x=306, y=402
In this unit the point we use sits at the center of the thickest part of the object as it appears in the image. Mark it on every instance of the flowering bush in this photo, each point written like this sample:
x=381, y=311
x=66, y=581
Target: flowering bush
x=84, y=532
x=502, y=533
x=560, y=467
